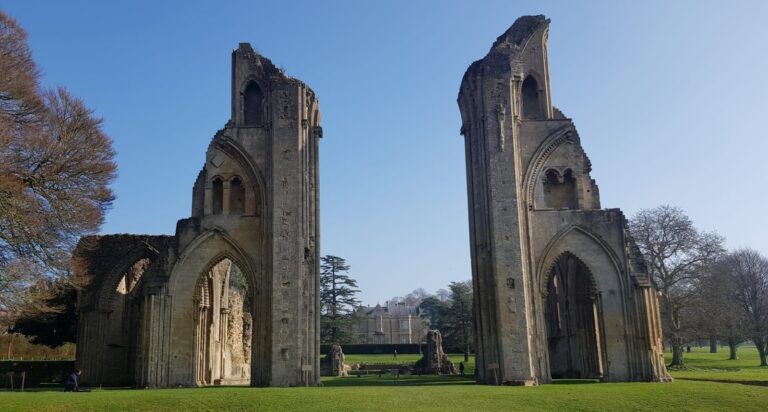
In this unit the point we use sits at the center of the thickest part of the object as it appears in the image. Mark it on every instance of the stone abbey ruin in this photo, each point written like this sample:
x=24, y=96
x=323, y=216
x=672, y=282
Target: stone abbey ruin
x=232, y=298
x=561, y=291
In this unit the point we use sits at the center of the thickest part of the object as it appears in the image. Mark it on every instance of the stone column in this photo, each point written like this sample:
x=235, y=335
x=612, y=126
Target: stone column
x=226, y=207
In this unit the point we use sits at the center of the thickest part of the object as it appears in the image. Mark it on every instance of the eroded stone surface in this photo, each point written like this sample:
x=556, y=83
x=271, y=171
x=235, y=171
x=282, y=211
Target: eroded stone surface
x=435, y=360
x=560, y=287
x=333, y=363
x=162, y=311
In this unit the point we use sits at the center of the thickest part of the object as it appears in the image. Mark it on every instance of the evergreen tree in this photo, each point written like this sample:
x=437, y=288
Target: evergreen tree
x=459, y=317
x=337, y=301
x=452, y=316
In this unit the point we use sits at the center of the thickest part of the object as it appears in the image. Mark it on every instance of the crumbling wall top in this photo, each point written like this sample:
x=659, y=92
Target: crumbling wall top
x=95, y=256
x=504, y=57
x=262, y=66
x=257, y=62
x=519, y=32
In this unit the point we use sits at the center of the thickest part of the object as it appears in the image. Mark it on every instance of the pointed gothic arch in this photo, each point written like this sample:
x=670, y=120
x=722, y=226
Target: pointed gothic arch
x=253, y=104
x=532, y=99
x=191, y=285
x=560, y=243
x=573, y=320
x=252, y=174
x=538, y=163
x=106, y=293
x=223, y=321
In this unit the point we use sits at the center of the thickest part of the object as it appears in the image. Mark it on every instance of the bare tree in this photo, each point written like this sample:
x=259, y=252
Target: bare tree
x=56, y=165
x=748, y=270
x=412, y=299
x=717, y=313
x=676, y=253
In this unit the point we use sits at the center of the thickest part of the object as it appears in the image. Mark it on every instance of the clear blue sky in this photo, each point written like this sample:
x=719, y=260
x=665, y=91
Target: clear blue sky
x=669, y=99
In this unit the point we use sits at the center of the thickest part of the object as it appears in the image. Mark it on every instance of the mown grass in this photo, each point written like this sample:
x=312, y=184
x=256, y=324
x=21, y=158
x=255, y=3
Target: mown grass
x=409, y=358
x=440, y=393
x=702, y=365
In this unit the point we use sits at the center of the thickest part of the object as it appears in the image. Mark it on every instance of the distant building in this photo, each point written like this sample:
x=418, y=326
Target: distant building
x=392, y=323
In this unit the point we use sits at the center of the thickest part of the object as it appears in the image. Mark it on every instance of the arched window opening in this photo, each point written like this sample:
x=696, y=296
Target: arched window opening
x=253, y=105
x=236, y=196
x=224, y=326
x=572, y=316
x=560, y=191
x=130, y=279
x=218, y=196
x=531, y=99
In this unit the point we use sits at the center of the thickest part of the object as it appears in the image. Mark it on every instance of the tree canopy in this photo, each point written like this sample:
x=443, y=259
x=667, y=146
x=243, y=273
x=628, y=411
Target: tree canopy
x=677, y=255
x=452, y=316
x=56, y=165
x=747, y=270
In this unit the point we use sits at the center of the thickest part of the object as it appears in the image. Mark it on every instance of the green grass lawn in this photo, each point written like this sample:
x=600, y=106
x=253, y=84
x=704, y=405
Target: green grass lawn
x=702, y=365
x=409, y=358
x=442, y=393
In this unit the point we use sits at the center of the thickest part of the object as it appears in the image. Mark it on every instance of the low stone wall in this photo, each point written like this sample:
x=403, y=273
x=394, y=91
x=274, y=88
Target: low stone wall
x=401, y=368
x=36, y=372
x=376, y=349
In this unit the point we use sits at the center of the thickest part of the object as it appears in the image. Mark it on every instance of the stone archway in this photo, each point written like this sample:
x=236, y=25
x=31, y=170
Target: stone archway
x=573, y=321
x=223, y=326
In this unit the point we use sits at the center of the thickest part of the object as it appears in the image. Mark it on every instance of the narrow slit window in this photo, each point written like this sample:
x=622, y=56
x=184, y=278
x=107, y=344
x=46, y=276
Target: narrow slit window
x=236, y=196
x=253, y=105
x=218, y=196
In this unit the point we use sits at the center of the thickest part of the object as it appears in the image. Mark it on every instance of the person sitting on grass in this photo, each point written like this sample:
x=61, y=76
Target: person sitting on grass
x=71, y=384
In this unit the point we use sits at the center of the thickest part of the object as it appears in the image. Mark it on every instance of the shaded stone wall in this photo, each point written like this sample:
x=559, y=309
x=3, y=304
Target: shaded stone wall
x=109, y=308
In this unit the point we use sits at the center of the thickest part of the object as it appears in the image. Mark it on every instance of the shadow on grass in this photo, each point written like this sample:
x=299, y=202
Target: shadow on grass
x=573, y=381
x=740, y=382
x=46, y=388
x=387, y=380
x=407, y=380
x=425, y=380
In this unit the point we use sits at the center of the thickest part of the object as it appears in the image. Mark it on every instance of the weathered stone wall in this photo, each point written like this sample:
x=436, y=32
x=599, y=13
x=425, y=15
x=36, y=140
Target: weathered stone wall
x=254, y=203
x=116, y=268
x=333, y=362
x=532, y=201
x=435, y=361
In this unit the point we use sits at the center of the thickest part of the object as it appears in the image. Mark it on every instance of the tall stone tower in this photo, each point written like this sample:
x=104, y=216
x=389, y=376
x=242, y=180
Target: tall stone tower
x=561, y=290
x=273, y=137
x=233, y=297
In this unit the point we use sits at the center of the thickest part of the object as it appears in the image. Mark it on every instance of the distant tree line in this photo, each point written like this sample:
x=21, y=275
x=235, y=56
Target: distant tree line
x=452, y=315
x=448, y=310
x=706, y=292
